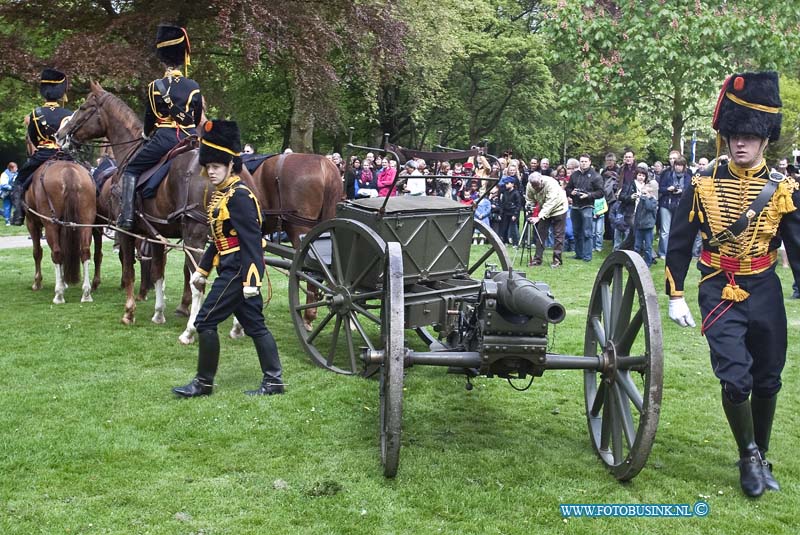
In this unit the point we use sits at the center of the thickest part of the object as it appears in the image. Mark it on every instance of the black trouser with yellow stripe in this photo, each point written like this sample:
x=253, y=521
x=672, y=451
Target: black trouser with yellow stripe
x=748, y=340
x=226, y=298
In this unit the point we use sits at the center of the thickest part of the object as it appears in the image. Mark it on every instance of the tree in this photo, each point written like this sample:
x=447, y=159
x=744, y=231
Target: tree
x=662, y=58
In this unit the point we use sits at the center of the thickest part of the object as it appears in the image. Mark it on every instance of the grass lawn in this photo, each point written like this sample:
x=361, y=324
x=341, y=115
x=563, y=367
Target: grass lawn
x=95, y=442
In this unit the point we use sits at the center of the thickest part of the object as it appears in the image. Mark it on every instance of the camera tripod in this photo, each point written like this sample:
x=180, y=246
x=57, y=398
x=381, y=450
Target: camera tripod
x=527, y=242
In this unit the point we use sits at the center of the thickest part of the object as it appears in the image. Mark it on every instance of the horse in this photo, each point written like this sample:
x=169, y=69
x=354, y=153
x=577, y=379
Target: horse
x=297, y=191
x=176, y=211
x=62, y=193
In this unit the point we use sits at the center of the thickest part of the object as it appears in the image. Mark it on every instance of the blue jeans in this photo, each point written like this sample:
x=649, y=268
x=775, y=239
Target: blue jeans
x=583, y=227
x=619, y=237
x=643, y=244
x=666, y=224
x=7, y=208
x=599, y=230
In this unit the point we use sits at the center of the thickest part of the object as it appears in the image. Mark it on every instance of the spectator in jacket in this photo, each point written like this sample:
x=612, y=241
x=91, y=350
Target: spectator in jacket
x=553, y=205
x=625, y=188
x=670, y=189
x=584, y=186
x=385, y=178
x=510, y=205
x=351, y=178
x=644, y=220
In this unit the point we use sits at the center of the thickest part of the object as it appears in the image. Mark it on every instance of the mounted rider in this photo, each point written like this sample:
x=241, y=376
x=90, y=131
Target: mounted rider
x=43, y=123
x=174, y=108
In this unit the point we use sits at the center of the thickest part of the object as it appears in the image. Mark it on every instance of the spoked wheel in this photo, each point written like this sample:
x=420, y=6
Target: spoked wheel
x=623, y=397
x=341, y=263
x=495, y=252
x=391, y=378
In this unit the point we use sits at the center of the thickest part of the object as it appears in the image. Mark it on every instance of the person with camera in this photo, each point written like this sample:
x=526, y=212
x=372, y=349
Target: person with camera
x=670, y=190
x=584, y=186
x=553, y=205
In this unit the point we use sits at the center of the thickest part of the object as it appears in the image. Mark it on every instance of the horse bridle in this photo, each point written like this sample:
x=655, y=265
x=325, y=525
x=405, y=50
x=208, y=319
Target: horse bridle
x=74, y=128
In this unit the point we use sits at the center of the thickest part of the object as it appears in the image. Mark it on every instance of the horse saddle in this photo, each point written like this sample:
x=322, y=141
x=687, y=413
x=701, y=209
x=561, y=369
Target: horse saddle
x=152, y=178
x=253, y=161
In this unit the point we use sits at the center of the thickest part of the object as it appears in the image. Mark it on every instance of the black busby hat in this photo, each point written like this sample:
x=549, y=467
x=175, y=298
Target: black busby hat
x=749, y=103
x=172, y=45
x=220, y=143
x=53, y=84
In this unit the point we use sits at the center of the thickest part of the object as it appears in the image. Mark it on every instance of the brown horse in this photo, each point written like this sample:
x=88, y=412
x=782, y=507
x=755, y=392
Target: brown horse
x=176, y=211
x=62, y=192
x=297, y=191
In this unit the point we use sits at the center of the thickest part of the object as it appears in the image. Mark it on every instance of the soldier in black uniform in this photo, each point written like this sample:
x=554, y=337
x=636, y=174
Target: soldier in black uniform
x=43, y=123
x=235, y=220
x=174, y=108
x=742, y=212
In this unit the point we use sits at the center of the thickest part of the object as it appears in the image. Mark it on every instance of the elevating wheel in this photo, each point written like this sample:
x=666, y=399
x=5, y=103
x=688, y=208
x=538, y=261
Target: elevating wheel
x=495, y=250
x=623, y=397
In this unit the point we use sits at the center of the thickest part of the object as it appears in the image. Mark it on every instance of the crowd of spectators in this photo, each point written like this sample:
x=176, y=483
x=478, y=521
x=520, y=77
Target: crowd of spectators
x=571, y=207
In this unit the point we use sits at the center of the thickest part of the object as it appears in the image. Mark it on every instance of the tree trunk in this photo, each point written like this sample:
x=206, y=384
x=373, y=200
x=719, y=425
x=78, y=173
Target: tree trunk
x=677, y=117
x=302, y=135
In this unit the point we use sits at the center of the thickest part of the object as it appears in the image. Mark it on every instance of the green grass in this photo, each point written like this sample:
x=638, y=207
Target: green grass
x=95, y=442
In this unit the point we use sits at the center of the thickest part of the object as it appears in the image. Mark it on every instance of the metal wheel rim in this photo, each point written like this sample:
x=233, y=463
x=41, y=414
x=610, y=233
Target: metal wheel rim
x=391, y=378
x=338, y=281
x=497, y=248
x=623, y=400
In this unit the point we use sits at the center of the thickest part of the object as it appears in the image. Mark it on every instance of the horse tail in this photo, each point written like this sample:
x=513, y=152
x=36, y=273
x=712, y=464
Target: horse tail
x=332, y=192
x=69, y=237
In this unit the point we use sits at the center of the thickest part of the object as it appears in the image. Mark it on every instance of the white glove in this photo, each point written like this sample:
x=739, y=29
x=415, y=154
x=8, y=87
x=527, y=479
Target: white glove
x=679, y=312
x=198, y=280
x=251, y=291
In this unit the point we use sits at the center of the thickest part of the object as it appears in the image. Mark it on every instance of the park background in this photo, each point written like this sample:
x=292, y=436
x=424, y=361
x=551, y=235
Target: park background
x=542, y=78
x=94, y=441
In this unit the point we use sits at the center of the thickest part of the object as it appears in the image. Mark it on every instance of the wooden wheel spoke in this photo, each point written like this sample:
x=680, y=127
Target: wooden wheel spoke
x=628, y=336
x=605, y=301
x=605, y=428
x=375, y=319
x=626, y=382
x=306, y=306
x=616, y=299
x=360, y=328
x=599, y=399
x=616, y=426
x=625, y=307
x=314, y=282
x=599, y=331
x=624, y=414
x=367, y=269
x=322, y=265
x=334, y=340
x=318, y=329
x=336, y=258
x=368, y=295
x=474, y=267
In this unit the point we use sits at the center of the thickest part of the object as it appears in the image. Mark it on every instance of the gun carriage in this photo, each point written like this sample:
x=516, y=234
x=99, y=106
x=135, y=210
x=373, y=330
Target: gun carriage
x=386, y=265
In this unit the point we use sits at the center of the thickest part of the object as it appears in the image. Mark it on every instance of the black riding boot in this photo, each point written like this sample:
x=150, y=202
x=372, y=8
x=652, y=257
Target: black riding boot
x=272, y=382
x=763, y=414
x=19, y=212
x=740, y=418
x=207, y=361
x=125, y=220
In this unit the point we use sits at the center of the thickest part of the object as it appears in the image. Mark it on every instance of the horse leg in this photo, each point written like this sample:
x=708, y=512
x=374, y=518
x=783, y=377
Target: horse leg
x=158, y=267
x=97, y=234
x=184, y=308
x=312, y=294
x=237, y=331
x=187, y=336
x=126, y=245
x=51, y=233
x=35, y=231
x=86, y=245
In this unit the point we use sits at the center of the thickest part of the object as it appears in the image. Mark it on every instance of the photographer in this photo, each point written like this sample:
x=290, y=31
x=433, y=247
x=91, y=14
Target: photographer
x=552, y=200
x=670, y=189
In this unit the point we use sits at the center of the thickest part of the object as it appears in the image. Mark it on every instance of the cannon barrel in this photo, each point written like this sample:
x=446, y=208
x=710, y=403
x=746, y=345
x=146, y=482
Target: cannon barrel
x=522, y=296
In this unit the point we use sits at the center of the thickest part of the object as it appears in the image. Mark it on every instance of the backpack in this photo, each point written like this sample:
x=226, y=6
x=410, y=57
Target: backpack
x=616, y=217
